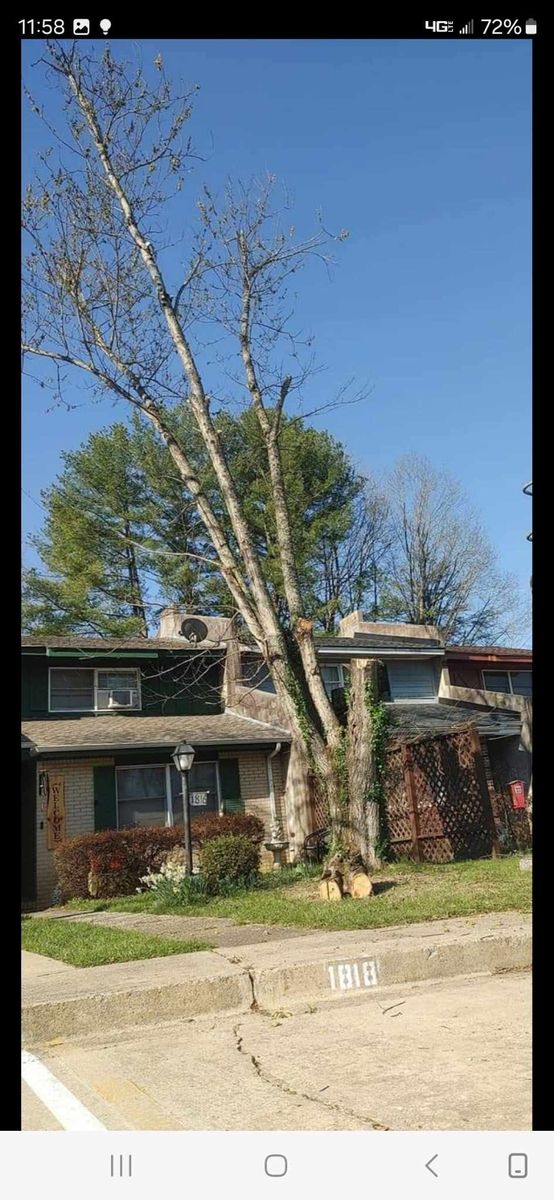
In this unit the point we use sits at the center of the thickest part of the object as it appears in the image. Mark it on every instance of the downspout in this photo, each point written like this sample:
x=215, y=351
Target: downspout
x=271, y=785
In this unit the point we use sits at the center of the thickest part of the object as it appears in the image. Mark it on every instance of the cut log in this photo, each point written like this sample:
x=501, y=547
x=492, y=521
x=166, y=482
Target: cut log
x=330, y=889
x=361, y=885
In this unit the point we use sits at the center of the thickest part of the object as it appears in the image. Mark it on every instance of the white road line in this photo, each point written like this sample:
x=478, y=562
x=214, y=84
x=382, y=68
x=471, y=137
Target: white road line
x=63, y=1105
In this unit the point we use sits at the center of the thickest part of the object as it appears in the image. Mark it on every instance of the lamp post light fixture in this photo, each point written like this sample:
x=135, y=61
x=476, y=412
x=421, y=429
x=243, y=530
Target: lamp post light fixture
x=183, y=758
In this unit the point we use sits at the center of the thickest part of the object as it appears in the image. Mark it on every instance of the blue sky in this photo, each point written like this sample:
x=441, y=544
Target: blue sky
x=422, y=150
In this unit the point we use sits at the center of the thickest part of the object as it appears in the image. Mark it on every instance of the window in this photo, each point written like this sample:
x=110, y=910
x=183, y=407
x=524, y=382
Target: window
x=153, y=795
x=76, y=689
x=71, y=690
x=203, y=791
x=142, y=796
x=517, y=683
x=255, y=674
x=412, y=680
x=116, y=689
x=333, y=677
x=522, y=683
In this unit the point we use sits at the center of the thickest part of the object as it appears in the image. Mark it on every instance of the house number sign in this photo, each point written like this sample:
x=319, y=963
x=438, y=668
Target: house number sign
x=199, y=798
x=344, y=976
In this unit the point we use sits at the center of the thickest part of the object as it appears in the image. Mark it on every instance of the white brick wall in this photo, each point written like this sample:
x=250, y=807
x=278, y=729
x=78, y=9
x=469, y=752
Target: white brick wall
x=79, y=808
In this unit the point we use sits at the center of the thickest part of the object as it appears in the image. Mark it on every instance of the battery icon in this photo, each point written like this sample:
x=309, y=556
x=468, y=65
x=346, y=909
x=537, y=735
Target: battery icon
x=530, y=25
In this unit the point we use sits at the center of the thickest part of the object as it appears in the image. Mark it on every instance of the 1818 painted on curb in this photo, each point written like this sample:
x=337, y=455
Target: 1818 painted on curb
x=353, y=975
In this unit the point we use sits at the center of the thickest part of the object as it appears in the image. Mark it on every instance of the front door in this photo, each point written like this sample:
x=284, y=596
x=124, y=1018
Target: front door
x=203, y=791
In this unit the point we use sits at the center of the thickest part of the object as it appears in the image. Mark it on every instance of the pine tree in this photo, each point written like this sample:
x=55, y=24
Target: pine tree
x=93, y=581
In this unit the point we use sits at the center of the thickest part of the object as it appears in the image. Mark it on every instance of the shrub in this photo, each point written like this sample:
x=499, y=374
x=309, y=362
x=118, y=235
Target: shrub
x=114, y=861
x=171, y=885
x=115, y=858
x=214, y=826
x=229, y=861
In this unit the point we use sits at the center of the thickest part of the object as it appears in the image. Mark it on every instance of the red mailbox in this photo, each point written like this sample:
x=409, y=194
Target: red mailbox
x=517, y=789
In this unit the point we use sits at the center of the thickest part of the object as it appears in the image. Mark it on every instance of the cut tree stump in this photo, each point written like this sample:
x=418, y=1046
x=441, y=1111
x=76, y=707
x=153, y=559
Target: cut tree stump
x=330, y=889
x=361, y=885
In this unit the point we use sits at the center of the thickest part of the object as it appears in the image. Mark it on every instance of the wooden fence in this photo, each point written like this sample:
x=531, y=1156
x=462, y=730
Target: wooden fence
x=437, y=802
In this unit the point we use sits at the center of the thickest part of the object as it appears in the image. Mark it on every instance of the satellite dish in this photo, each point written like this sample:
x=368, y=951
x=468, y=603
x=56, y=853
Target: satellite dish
x=194, y=630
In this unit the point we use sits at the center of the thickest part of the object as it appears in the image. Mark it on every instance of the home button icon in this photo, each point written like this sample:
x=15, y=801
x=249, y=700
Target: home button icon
x=276, y=1165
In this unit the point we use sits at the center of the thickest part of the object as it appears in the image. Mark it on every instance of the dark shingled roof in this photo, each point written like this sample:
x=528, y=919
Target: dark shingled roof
x=378, y=641
x=74, y=642
x=501, y=651
x=443, y=717
x=120, y=731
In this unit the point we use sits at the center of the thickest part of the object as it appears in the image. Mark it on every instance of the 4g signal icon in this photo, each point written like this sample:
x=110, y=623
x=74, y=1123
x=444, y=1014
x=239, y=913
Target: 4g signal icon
x=468, y=29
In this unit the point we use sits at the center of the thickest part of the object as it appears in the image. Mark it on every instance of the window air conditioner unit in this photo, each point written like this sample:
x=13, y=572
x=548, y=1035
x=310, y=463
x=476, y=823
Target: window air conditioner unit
x=123, y=699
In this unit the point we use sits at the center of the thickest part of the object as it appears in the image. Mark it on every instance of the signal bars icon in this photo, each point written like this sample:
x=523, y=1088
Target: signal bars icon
x=468, y=29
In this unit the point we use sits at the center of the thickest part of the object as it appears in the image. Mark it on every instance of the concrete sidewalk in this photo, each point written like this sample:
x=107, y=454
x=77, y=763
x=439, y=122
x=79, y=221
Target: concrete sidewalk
x=217, y=931
x=60, y=1001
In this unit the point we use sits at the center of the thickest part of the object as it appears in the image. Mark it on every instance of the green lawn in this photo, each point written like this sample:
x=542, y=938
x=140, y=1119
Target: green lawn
x=84, y=945
x=404, y=893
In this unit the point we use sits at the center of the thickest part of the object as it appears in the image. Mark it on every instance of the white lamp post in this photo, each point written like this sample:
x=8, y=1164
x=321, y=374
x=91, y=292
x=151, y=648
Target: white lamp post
x=183, y=758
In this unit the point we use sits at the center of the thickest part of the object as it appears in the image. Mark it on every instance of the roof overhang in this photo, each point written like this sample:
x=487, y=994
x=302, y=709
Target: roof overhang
x=53, y=652
x=475, y=657
x=378, y=652
x=129, y=747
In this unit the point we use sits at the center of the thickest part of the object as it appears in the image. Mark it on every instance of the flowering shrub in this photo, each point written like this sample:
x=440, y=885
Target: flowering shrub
x=171, y=884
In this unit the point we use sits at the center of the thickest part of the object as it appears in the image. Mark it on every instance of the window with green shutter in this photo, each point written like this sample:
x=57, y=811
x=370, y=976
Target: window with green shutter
x=229, y=776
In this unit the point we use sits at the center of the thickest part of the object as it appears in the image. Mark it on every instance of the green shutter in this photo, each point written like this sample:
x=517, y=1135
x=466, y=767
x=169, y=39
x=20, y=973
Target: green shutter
x=105, y=804
x=35, y=689
x=230, y=785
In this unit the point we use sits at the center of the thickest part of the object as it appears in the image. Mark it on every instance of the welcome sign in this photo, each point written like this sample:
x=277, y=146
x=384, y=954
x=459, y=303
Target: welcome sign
x=55, y=811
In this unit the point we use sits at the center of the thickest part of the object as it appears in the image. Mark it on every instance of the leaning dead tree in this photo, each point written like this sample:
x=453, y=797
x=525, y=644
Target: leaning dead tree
x=108, y=297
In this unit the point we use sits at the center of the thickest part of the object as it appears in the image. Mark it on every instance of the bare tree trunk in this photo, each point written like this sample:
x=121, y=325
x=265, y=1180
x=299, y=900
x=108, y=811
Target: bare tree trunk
x=138, y=608
x=364, y=807
x=302, y=628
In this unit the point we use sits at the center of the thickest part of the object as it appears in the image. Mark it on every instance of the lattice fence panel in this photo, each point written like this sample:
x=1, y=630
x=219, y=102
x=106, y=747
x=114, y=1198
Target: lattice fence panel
x=397, y=816
x=437, y=807
x=318, y=804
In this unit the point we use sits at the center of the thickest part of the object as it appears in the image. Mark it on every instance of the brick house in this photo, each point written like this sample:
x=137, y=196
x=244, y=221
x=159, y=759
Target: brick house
x=101, y=718
x=100, y=721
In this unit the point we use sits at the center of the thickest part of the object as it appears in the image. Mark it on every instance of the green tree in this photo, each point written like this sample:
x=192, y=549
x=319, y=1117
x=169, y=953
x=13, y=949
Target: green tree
x=321, y=486
x=93, y=582
x=120, y=525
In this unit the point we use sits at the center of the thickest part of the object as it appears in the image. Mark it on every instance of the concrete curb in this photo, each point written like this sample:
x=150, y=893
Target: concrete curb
x=266, y=978
x=347, y=975
x=94, y=1013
